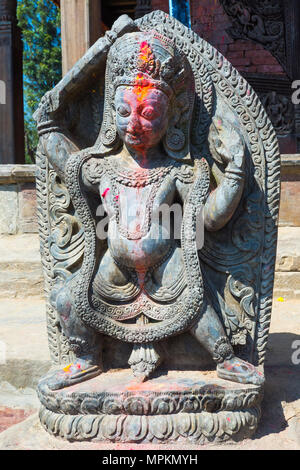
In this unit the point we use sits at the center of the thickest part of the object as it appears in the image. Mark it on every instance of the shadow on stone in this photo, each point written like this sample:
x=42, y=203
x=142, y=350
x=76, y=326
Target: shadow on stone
x=282, y=387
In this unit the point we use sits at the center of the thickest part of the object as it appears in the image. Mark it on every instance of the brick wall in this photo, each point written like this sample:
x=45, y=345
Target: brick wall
x=162, y=5
x=210, y=22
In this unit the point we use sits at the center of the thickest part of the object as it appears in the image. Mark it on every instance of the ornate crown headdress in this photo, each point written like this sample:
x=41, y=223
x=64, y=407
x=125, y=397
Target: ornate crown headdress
x=149, y=59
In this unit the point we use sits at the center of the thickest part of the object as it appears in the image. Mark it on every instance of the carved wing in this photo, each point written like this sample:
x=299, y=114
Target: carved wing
x=58, y=346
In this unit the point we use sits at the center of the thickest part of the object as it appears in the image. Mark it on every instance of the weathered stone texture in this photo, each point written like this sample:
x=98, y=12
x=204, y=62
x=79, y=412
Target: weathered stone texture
x=27, y=208
x=8, y=209
x=17, y=199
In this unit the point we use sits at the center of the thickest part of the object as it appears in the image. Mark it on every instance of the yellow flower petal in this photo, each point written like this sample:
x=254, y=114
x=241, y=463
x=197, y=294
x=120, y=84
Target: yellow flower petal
x=67, y=368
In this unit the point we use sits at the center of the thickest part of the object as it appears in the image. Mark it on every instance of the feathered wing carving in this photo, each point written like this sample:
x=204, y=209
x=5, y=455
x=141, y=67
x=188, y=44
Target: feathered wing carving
x=237, y=262
x=58, y=345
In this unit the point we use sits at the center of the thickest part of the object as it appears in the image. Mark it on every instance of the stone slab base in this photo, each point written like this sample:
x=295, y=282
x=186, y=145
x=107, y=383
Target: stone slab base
x=179, y=406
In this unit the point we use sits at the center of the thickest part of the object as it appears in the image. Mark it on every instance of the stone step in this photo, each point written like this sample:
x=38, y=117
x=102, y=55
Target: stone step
x=287, y=285
x=20, y=284
x=288, y=250
x=19, y=249
x=287, y=275
x=24, y=352
x=21, y=272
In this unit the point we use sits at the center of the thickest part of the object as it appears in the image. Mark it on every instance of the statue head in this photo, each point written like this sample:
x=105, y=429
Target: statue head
x=149, y=94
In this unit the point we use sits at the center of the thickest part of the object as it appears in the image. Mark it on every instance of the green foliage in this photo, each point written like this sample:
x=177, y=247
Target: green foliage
x=39, y=21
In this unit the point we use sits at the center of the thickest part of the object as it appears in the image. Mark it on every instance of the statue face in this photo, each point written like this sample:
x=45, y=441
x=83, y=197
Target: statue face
x=141, y=116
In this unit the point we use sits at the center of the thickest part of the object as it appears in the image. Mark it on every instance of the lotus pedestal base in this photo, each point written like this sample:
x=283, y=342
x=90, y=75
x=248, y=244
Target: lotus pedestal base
x=187, y=406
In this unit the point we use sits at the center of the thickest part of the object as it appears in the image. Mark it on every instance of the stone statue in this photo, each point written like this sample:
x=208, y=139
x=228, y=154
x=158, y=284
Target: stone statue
x=150, y=120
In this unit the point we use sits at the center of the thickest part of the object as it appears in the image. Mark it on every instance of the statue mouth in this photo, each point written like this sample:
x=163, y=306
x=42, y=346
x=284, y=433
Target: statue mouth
x=134, y=134
x=134, y=137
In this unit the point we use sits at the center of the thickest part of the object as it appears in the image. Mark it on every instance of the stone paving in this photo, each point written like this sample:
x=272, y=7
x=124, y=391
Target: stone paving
x=11, y=416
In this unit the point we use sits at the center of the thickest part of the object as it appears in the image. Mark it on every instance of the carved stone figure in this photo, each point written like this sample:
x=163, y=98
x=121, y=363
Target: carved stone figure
x=281, y=112
x=171, y=129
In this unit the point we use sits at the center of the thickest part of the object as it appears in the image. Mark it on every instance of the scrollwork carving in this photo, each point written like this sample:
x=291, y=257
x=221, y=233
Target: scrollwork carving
x=261, y=21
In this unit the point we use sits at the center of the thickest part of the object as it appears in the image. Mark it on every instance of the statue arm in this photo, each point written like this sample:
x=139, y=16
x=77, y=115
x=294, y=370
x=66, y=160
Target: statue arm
x=223, y=201
x=57, y=147
x=54, y=140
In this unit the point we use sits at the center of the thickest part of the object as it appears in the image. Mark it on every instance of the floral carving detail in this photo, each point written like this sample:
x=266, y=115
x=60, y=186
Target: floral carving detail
x=222, y=350
x=192, y=428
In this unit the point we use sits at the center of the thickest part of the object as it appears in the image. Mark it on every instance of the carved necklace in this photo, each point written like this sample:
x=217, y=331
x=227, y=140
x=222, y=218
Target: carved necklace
x=141, y=177
x=137, y=179
x=135, y=235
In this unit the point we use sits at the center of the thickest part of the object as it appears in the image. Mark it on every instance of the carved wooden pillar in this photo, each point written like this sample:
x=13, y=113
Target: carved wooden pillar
x=80, y=28
x=292, y=37
x=11, y=86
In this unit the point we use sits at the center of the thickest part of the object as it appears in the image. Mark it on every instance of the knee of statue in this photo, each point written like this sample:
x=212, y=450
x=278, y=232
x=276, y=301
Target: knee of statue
x=62, y=302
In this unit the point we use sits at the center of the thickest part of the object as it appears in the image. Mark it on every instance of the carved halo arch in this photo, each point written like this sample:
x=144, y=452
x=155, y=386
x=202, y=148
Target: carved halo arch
x=219, y=88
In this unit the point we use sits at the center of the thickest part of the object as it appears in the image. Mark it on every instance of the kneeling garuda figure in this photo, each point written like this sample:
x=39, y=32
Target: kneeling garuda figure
x=154, y=124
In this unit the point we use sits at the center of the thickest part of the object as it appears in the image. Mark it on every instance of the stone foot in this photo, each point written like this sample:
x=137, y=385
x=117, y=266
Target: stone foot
x=240, y=371
x=143, y=361
x=73, y=373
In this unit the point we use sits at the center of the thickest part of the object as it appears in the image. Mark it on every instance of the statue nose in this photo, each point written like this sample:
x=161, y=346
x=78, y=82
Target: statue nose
x=134, y=124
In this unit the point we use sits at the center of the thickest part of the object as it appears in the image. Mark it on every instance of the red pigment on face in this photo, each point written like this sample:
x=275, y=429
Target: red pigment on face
x=142, y=85
x=141, y=88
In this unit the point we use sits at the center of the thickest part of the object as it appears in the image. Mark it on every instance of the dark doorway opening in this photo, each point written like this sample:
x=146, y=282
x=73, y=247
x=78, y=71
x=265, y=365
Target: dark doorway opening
x=112, y=9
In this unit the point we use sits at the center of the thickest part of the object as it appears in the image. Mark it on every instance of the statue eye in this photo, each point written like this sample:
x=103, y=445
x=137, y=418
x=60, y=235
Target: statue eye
x=148, y=113
x=124, y=112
